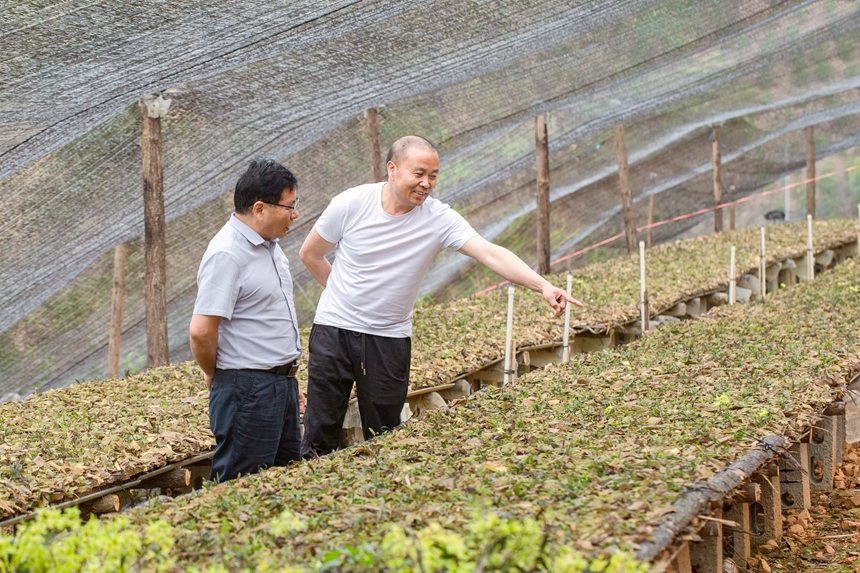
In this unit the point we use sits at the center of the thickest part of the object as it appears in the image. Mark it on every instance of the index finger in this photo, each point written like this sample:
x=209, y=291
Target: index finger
x=573, y=300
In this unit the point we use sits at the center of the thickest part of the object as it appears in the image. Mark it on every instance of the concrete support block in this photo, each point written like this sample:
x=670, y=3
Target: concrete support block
x=787, y=273
x=694, y=307
x=662, y=319
x=717, y=299
x=840, y=439
x=751, y=283
x=742, y=295
x=823, y=457
x=682, y=563
x=741, y=514
x=767, y=514
x=824, y=259
x=772, y=277
x=707, y=555
x=406, y=413
x=794, y=478
x=461, y=389
x=677, y=311
x=427, y=402
x=802, y=271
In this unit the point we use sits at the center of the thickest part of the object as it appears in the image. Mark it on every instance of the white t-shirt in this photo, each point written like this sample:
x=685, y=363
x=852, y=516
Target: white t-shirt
x=380, y=259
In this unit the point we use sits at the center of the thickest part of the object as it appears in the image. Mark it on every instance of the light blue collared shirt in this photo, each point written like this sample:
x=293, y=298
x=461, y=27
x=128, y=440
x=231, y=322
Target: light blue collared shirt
x=246, y=280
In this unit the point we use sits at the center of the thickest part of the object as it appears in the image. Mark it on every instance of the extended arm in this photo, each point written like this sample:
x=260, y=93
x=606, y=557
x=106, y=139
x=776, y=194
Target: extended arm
x=313, y=253
x=511, y=267
x=203, y=337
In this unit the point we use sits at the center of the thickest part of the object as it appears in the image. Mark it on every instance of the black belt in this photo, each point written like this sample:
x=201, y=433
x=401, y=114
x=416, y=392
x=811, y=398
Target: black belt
x=288, y=369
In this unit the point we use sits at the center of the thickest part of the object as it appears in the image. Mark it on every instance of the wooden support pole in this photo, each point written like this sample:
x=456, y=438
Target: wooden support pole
x=626, y=193
x=718, y=186
x=732, y=212
x=376, y=170
x=117, y=301
x=810, y=171
x=649, y=237
x=110, y=503
x=542, y=161
x=152, y=109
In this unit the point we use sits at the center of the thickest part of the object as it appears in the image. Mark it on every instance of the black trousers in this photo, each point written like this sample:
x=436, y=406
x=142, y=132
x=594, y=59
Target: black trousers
x=254, y=415
x=378, y=365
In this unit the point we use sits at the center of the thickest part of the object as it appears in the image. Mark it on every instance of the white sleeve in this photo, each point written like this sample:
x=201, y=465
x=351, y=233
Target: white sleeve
x=332, y=221
x=455, y=230
x=217, y=285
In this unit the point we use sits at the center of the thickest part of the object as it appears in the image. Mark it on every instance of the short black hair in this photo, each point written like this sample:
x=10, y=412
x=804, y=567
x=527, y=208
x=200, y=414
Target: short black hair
x=264, y=180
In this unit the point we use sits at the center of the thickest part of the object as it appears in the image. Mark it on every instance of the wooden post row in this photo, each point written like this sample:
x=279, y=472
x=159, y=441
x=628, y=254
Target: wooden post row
x=624, y=184
x=376, y=170
x=649, y=237
x=117, y=302
x=542, y=160
x=718, y=186
x=152, y=109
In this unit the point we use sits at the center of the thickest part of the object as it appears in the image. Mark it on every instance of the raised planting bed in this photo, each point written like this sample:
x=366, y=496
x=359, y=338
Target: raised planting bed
x=599, y=454
x=71, y=442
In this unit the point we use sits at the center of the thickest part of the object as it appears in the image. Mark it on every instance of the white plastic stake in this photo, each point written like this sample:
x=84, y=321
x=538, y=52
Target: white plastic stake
x=509, y=370
x=643, y=293
x=810, y=257
x=732, y=295
x=762, y=270
x=565, y=348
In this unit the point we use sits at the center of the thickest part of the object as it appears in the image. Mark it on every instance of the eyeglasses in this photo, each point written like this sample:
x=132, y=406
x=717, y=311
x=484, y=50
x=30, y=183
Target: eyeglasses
x=292, y=207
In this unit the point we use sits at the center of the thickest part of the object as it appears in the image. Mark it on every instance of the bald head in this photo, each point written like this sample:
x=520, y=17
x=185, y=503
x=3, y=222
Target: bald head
x=401, y=147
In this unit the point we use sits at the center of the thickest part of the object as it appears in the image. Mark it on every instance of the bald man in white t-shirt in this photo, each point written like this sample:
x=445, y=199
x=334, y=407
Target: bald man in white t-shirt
x=384, y=237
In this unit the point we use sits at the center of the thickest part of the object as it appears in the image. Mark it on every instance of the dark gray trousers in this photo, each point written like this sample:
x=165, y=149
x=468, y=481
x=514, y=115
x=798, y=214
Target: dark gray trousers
x=378, y=365
x=254, y=415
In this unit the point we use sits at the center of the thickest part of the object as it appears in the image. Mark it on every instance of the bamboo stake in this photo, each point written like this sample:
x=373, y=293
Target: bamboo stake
x=542, y=164
x=509, y=370
x=810, y=171
x=650, y=236
x=810, y=257
x=732, y=292
x=565, y=348
x=117, y=302
x=762, y=269
x=732, y=216
x=643, y=292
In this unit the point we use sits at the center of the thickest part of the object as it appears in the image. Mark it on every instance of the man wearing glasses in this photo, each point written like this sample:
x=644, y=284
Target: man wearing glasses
x=244, y=333
x=384, y=237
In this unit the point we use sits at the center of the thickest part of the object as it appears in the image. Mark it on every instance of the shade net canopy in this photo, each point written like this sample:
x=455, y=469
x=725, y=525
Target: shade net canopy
x=292, y=81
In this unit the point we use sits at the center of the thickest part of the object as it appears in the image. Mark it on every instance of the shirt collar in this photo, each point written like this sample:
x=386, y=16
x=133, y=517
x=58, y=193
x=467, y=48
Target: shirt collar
x=253, y=237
